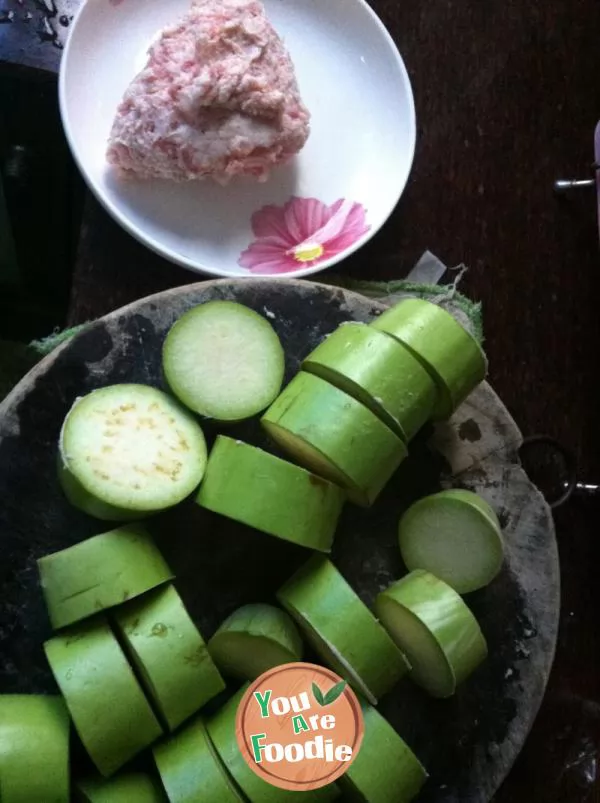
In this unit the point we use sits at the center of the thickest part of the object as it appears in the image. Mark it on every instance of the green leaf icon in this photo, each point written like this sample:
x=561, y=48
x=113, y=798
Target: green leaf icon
x=318, y=694
x=335, y=692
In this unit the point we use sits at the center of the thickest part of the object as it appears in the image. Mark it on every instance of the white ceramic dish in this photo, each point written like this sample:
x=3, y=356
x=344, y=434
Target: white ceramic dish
x=361, y=148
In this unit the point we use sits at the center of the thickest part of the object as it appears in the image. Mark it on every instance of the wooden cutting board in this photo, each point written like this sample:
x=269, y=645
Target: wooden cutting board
x=468, y=743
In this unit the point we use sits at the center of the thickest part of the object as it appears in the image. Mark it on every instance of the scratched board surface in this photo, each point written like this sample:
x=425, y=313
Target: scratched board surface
x=469, y=742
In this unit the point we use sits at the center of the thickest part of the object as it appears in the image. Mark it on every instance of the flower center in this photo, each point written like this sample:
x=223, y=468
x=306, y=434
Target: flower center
x=307, y=252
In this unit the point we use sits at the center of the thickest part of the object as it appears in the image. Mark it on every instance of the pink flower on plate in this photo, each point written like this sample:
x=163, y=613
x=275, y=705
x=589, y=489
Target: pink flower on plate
x=301, y=234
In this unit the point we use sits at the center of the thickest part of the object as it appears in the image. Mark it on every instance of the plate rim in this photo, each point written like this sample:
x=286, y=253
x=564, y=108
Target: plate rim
x=171, y=256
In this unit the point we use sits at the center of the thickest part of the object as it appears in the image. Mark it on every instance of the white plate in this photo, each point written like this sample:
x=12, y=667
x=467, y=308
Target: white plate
x=361, y=148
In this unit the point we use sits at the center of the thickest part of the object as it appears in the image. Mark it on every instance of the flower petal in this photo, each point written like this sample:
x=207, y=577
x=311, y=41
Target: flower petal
x=343, y=242
x=261, y=252
x=302, y=215
x=346, y=239
x=270, y=222
x=356, y=227
x=357, y=219
x=315, y=214
x=334, y=208
x=335, y=225
x=293, y=219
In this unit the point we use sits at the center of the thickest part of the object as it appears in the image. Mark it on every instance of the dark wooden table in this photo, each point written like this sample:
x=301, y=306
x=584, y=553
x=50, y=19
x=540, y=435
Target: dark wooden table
x=507, y=94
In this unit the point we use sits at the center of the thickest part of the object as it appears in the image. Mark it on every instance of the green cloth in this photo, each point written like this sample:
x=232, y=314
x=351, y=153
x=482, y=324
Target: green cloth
x=16, y=359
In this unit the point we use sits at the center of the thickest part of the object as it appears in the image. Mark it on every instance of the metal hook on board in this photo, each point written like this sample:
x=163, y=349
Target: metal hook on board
x=562, y=185
x=569, y=484
x=565, y=186
x=553, y=468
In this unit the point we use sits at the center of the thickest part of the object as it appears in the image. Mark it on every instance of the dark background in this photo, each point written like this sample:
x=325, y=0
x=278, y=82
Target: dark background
x=507, y=96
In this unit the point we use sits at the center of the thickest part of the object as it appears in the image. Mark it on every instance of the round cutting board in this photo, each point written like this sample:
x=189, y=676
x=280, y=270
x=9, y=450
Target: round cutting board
x=468, y=743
